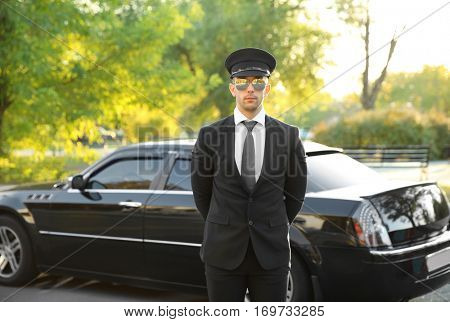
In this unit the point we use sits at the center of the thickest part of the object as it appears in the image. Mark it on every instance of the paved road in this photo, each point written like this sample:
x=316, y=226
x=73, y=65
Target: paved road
x=440, y=295
x=48, y=288
x=51, y=288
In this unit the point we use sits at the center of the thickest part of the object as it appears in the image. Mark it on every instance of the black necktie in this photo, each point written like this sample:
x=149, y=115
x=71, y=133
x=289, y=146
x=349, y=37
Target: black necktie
x=248, y=157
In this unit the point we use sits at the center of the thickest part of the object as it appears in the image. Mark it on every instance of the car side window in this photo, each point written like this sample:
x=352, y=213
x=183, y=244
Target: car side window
x=126, y=174
x=180, y=176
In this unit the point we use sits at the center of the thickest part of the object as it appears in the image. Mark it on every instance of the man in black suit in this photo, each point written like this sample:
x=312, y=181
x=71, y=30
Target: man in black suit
x=249, y=183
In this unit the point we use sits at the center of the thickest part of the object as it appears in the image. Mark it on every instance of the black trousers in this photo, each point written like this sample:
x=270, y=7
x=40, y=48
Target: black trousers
x=231, y=285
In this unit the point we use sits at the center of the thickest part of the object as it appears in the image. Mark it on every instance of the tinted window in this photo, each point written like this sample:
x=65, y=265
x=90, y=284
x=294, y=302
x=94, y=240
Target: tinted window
x=337, y=170
x=180, y=177
x=126, y=174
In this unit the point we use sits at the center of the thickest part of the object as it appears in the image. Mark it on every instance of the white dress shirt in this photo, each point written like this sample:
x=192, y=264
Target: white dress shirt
x=259, y=137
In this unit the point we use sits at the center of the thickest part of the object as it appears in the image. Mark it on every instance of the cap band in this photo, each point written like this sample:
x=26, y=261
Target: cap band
x=250, y=68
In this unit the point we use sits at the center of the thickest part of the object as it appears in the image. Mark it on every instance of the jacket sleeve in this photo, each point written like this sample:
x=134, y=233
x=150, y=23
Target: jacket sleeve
x=296, y=175
x=202, y=173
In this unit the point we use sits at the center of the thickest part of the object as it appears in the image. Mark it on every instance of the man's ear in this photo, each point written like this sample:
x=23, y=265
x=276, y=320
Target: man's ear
x=232, y=89
x=267, y=89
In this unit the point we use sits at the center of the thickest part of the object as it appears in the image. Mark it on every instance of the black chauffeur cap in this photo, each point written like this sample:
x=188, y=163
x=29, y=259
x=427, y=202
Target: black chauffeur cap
x=250, y=62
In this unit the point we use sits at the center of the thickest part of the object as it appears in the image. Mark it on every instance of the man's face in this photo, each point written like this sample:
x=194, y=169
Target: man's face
x=249, y=99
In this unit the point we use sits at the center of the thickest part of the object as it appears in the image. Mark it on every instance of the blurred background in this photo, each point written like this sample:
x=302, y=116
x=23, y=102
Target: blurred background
x=80, y=78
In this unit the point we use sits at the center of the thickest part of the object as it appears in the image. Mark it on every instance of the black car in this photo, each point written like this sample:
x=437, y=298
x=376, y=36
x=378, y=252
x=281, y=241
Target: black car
x=131, y=218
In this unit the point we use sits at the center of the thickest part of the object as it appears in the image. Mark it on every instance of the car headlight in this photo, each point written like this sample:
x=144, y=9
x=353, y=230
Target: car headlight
x=369, y=228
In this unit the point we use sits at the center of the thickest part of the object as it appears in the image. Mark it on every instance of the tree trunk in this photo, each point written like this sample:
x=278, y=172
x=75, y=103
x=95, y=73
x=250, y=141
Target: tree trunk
x=370, y=93
x=365, y=76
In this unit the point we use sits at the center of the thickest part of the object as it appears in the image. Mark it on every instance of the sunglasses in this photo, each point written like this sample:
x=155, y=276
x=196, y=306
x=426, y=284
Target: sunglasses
x=242, y=83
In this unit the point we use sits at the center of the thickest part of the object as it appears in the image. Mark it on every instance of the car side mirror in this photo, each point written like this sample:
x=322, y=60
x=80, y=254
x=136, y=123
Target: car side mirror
x=77, y=182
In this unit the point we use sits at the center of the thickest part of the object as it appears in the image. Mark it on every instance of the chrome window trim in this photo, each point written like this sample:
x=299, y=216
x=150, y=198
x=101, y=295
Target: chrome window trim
x=444, y=237
x=155, y=241
x=55, y=233
x=171, y=192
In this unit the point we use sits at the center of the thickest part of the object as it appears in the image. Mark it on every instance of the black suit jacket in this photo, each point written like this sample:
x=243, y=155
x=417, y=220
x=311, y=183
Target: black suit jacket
x=232, y=213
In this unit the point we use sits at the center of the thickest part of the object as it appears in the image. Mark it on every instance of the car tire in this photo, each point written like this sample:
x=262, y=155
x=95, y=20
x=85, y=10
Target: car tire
x=17, y=265
x=299, y=281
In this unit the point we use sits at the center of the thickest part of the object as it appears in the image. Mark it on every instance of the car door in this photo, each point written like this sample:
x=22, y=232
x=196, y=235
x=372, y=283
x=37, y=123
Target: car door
x=173, y=227
x=100, y=228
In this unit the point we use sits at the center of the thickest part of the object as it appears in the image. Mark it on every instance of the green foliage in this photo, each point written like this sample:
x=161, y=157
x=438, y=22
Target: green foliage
x=389, y=126
x=70, y=65
x=352, y=12
x=20, y=169
x=319, y=107
x=425, y=89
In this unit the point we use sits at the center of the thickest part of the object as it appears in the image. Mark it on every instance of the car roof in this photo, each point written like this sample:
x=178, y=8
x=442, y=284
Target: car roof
x=186, y=145
x=311, y=147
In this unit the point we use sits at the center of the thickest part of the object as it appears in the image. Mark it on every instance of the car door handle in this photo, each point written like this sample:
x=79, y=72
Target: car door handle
x=130, y=204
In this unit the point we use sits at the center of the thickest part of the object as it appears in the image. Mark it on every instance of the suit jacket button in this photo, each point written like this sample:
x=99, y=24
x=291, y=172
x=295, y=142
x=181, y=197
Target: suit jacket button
x=250, y=223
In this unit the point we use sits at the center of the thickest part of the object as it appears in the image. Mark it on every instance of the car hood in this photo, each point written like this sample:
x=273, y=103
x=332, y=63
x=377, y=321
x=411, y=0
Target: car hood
x=29, y=186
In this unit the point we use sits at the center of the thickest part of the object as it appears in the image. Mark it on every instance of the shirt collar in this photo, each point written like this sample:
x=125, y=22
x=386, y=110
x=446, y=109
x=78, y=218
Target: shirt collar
x=239, y=117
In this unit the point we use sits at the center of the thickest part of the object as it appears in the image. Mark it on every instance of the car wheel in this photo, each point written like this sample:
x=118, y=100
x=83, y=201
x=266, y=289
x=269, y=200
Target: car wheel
x=16, y=258
x=299, y=282
x=299, y=287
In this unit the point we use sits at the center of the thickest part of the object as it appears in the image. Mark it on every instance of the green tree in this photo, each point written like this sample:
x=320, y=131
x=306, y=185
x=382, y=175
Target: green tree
x=425, y=89
x=66, y=66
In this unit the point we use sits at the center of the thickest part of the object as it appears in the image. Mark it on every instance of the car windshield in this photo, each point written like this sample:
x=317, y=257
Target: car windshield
x=337, y=170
